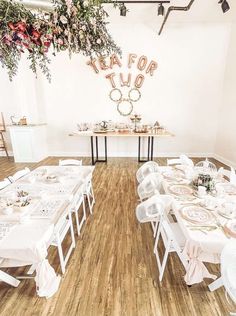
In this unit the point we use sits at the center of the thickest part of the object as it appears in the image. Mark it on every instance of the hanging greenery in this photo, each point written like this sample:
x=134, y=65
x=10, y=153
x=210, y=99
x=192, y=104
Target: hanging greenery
x=74, y=25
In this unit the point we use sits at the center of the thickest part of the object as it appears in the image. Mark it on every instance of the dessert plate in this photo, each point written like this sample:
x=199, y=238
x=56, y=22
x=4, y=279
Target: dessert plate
x=196, y=215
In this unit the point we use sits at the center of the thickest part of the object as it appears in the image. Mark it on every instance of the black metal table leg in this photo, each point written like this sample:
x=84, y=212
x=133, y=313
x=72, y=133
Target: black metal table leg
x=96, y=148
x=92, y=151
x=94, y=161
x=148, y=148
x=149, y=152
x=139, y=145
x=105, y=139
x=152, y=147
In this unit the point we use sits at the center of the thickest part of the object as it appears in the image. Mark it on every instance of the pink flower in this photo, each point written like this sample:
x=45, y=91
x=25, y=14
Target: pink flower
x=8, y=37
x=11, y=26
x=60, y=41
x=21, y=26
x=49, y=36
x=47, y=44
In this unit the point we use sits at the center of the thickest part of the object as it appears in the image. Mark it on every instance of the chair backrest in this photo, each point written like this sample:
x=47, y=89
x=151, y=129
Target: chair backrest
x=146, y=169
x=229, y=174
x=175, y=161
x=228, y=268
x=150, y=210
x=185, y=160
x=19, y=174
x=182, y=160
x=150, y=185
x=70, y=162
x=4, y=183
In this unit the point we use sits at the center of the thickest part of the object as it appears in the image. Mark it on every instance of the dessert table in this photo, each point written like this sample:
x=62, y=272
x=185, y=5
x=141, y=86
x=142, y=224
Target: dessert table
x=206, y=228
x=26, y=231
x=95, y=154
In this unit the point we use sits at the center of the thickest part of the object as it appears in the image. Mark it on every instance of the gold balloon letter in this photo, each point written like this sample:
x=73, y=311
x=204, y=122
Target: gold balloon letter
x=114, y=60
x=110, y=77
x=139, y=81
x=102, y=63
x=91, y=63
x=151, y=67
x=125, y=82
x=142, y=62
x=131, y=59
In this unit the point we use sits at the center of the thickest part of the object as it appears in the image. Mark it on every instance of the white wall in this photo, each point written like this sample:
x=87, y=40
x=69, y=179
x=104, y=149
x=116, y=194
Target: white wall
x=226, y=136
x=184, y=94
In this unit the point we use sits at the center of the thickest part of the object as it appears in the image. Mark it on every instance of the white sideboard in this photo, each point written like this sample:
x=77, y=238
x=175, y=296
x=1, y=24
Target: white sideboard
x=29, y=142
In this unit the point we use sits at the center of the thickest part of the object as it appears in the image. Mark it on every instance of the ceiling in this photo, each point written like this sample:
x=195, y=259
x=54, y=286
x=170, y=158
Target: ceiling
x=201, y=11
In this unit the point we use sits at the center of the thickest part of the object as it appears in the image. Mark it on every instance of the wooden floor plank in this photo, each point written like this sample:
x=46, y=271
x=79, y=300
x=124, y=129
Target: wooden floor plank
x=112, y=271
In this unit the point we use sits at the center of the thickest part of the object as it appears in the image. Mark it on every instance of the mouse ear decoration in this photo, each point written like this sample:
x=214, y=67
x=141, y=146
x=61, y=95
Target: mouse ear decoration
x=116, y=95
x=134, y=94
x=125, y=107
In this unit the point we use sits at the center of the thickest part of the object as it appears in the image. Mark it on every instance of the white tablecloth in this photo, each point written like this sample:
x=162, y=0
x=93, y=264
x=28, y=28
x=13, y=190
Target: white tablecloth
x=27, y=242
x=199, y=247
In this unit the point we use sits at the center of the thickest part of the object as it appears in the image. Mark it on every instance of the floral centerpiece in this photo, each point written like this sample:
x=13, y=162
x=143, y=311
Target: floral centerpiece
x=74, y=25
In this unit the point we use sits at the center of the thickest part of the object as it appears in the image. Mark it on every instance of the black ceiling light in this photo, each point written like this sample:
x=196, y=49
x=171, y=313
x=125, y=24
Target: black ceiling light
x=224, y=5
x=123, y=10
x=161, y=9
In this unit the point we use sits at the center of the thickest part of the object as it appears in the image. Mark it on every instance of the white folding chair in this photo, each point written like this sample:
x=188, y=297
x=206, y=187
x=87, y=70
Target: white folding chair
x=175, y=161
x=19, y=174
x=228, y=270
x=182, y=160
x=229, y=174
x=4, y=183
x=62, y=227
x=151, y=185
x=147, y=168
x=89, y=192
x=70, y=162
x=88, y=189
x=76, y=206
x=173, y=240
x=5, y=277
x=151, y=209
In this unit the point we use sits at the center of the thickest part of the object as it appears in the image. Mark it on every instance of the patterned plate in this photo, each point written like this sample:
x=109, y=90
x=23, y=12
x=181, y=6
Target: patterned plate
x=196, y=214
x=227, y=187
x=230, y=228
x=180, y=189
x=173, y=174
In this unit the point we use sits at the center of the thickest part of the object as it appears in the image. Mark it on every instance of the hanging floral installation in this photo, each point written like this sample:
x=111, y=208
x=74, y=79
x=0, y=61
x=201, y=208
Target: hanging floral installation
x=74, y=25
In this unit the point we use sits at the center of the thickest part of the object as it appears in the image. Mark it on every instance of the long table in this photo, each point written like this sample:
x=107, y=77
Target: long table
x=201, y=246
x=149, y=136
x=29, y=232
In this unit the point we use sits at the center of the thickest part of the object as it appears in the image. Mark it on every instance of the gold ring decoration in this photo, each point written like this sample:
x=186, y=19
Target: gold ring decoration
x=136, y=92
x=125, y=107
x=112, y=96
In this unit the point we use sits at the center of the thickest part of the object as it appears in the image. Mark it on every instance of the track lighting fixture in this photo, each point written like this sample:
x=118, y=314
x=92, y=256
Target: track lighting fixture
x=123, y=10
x=161, y=9
x=224, y=5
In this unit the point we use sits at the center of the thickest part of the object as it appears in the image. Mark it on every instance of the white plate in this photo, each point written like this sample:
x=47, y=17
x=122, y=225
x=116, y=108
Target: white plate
x=180, y=189
x=196, y=214
x=227, y=187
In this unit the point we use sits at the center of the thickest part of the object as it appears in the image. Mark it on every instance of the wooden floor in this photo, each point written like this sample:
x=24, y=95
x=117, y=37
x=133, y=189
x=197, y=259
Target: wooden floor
x=112, y=270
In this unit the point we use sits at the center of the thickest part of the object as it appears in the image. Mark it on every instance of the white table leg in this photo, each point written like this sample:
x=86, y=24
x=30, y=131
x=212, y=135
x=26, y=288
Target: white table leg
x=216, y=284
x=8, y=279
